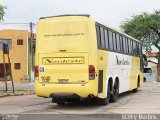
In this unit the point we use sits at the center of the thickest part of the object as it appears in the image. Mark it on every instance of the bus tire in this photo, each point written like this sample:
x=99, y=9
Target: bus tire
x=61, y=103
x=115, y=92
x=135, y=90
x=105, y=101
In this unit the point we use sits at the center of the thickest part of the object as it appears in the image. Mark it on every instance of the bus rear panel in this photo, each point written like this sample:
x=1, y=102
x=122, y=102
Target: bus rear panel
x=63, y=63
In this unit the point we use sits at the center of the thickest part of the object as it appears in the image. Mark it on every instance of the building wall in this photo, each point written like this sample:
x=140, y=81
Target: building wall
x=18, y=53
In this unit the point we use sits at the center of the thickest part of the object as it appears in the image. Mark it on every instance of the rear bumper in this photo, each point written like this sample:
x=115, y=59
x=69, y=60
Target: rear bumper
x=64, y=95
x=66, y=90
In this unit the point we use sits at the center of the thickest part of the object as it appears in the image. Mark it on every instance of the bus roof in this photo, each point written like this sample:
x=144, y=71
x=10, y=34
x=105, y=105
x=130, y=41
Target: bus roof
x=87, y=15
x=66, y=15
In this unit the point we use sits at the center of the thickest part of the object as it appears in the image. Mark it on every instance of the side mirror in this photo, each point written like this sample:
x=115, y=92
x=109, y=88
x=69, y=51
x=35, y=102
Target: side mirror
x=145, y=62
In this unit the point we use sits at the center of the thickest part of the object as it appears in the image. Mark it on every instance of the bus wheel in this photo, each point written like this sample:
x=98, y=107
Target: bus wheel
x=106, y=100
x=61, y=103
x=115, y=92
x=58, y=101
x=135, y=90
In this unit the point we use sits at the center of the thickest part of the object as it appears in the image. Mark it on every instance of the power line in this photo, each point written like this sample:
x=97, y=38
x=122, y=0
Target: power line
x=17, y=23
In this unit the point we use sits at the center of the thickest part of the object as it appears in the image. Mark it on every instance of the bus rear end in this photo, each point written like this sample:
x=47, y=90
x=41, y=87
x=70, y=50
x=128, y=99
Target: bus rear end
x=65, y=69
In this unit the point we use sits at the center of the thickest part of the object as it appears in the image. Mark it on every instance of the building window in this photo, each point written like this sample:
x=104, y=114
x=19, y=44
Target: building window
x=7, y=41
x=17, y=66
x=19, y=42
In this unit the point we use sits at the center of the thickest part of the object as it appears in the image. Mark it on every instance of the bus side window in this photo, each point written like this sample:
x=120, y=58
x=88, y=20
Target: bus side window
x=130, y=46
x=114, y=41
x=134, y=48
x=102, y=38
x=127, y=45
x=137, y=48
x=98, y=36
x=110, y=40
x=124, y=44
x=106, y=39
x=118, y=43
x=121, y=44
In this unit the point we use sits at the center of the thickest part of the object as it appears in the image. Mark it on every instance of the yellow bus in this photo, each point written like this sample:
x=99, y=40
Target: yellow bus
x=78, y=58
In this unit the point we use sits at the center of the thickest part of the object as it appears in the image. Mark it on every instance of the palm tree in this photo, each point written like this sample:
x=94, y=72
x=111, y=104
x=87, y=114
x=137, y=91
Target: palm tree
x=2, y=12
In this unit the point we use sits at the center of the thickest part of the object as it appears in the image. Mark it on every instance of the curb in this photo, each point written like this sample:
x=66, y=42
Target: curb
x=17, y=93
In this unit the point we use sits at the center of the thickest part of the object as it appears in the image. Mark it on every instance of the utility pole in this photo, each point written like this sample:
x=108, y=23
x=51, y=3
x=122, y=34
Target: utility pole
x=31, y=50
x=6, y=52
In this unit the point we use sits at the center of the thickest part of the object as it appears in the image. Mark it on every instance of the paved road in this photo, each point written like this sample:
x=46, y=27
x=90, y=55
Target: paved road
x=146, y=100
x=17, y=86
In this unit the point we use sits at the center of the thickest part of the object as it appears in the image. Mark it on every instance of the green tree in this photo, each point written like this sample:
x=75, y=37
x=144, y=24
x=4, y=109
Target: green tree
x=145, y=27
x=2, y=12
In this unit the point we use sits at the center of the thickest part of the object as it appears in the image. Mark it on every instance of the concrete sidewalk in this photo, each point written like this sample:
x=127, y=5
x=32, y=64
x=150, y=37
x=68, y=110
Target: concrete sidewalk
x=20, y=89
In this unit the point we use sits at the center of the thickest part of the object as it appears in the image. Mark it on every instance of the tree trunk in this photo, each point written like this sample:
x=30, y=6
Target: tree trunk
x=158, y=68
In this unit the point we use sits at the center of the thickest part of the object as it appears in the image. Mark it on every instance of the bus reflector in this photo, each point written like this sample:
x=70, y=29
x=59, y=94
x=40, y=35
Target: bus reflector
x=91, y=72
x=36, y=72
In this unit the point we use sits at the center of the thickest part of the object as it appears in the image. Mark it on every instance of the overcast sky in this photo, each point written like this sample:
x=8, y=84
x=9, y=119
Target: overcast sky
x=109, y=12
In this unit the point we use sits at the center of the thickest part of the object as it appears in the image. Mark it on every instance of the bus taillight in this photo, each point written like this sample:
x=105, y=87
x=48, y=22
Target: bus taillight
x=36, y=72
x=91, y=72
